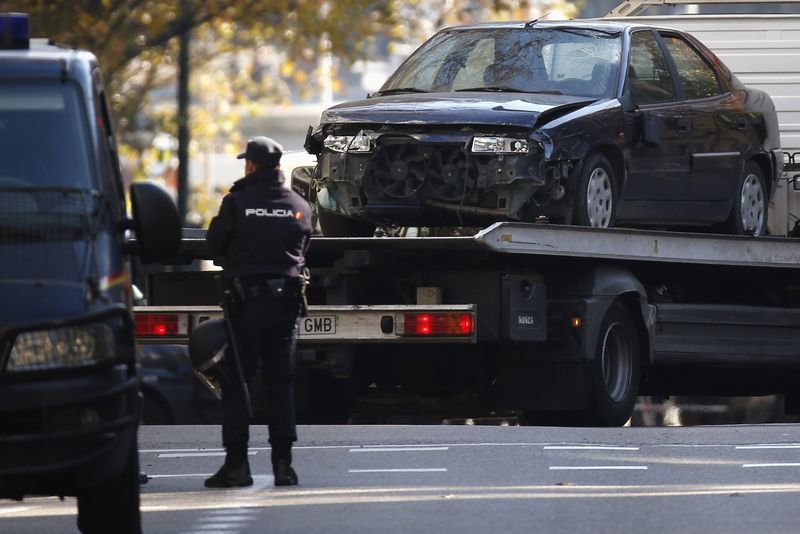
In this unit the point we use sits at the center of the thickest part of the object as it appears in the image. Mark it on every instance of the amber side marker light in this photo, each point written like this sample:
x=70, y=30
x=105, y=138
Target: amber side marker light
x=576, y=322
x=438, y=324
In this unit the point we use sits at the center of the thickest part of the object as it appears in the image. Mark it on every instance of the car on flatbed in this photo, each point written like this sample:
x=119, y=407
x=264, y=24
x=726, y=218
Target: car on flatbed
x=594, y=123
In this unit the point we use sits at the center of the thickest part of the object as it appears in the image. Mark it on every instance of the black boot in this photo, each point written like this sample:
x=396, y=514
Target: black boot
x=230, y=476
x=284, y=474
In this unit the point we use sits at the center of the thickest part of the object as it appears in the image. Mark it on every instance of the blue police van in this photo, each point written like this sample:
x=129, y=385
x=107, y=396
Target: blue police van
x=69, y=386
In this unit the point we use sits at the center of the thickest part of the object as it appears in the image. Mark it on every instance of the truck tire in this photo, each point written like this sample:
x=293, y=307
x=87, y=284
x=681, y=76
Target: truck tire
x=595, y=193
x=614, y=371
x=749, y=211
x=113, y=506
x=334, y=225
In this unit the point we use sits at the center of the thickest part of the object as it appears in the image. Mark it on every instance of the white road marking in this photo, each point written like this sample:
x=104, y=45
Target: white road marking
x=745, y=447
x=480, y=444
x=16, y=509
x=198, y=454
x=182, y=475
x=407, y=470
x=588, y=448
x=398, y=449
x=773, y=465
x=597, y=467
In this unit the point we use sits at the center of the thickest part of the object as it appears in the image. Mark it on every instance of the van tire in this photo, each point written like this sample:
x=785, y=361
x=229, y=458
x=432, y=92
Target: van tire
x=113, y=505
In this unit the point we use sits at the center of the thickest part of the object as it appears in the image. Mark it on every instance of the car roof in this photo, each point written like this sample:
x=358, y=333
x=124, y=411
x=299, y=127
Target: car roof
x=588, y=24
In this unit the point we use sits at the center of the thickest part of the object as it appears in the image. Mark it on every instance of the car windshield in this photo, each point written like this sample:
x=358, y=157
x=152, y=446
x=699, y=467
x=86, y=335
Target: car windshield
x=570, y=61
x=43, y=136
x=46, y=191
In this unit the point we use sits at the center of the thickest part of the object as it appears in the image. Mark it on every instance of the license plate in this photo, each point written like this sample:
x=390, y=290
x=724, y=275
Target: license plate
x=318, y=325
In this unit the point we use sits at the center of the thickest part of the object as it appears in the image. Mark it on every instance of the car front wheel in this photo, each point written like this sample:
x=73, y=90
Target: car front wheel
x=749, y=212
x=595, y=193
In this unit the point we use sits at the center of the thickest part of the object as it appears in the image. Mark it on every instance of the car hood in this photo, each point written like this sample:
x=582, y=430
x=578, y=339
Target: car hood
x=39, y=301
x=495, y=109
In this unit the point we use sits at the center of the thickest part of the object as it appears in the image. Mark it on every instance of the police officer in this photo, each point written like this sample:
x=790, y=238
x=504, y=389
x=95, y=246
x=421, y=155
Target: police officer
x=260, y=238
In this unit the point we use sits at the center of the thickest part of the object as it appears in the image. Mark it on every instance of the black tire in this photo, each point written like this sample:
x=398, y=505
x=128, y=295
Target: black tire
x=335, y=225
x=750, y=206
x=595, y=193
x=113, y=506
x=614, y=371
x=155, y=408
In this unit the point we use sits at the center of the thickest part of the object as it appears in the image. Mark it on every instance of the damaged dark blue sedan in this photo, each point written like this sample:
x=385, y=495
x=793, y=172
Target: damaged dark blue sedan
x=593, y=123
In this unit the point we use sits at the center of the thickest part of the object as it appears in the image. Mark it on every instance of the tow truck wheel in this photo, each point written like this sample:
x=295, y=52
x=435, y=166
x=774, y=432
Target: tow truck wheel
x=615, y=369
x=595, y=193
x=335, y=225
x=113, y=506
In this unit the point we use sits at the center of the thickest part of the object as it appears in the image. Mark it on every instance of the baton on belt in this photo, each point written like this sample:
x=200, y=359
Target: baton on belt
x=226, y=298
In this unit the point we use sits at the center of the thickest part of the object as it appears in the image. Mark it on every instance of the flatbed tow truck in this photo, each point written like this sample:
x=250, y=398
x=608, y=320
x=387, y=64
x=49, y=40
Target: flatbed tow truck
x=560, y=323
x=540, y=318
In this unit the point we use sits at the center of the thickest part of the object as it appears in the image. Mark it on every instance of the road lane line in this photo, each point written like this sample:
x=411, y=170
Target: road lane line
x=597, y=467
x=17, y=509
x=182, y=475
x=405, y=470
x=197, y=454
x=588, y=448
x=795, y=464
x=748, y=447
x=398, y=449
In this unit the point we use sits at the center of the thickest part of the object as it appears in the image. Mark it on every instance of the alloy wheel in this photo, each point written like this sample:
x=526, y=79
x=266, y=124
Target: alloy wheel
x=752, y=205
x=599, y=198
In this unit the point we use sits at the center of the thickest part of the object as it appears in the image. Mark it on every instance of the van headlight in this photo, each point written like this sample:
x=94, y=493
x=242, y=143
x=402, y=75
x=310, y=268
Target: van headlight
x=56, y=348
x=499, y=145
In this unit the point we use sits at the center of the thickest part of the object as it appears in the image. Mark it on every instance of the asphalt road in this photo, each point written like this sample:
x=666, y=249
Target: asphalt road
x=465, y=479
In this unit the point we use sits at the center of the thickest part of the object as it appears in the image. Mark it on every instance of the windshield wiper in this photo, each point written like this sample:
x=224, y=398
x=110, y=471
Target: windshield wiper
x=400, y=90
x=493, y=88
x=507, y=89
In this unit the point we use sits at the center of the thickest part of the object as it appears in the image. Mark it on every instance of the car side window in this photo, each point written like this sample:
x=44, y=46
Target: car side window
x=649, y=77
x=697, y=77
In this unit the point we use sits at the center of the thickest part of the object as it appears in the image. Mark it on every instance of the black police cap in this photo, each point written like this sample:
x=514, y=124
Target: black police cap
x=262, y=150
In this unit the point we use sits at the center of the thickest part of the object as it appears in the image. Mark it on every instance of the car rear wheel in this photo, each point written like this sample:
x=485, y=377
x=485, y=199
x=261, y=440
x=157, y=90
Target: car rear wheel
x=614, y=371
x=749, y=212
x=595, y=193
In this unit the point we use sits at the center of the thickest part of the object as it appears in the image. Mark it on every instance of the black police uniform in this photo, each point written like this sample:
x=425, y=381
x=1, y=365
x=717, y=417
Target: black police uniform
x=260, y=237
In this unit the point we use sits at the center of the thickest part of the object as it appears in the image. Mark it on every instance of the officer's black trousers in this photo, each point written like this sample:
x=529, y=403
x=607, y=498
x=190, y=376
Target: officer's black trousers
x=266, y=331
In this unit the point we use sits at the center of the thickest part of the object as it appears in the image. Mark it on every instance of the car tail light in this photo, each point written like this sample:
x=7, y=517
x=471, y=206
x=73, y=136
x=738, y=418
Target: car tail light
x=161, y=324
x=439, y=324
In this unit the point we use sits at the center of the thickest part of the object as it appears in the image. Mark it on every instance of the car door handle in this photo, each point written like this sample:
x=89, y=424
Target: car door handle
x=683, y=126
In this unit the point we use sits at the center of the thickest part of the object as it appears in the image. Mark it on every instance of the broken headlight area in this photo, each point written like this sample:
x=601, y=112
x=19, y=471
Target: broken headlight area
x=410, y=171
x=362, y=142
x=499, y=145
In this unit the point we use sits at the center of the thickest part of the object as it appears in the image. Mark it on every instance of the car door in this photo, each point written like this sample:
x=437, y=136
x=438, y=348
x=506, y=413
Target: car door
x=718, y=123
x=658, y=155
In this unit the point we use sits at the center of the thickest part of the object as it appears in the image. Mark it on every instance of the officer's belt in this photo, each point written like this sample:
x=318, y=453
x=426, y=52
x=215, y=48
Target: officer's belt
x=251, y=287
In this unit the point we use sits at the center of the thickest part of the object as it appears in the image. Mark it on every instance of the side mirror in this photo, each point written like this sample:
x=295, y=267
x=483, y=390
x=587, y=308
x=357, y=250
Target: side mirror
x=626, y=99
x=651, y=129
x=155, y=221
